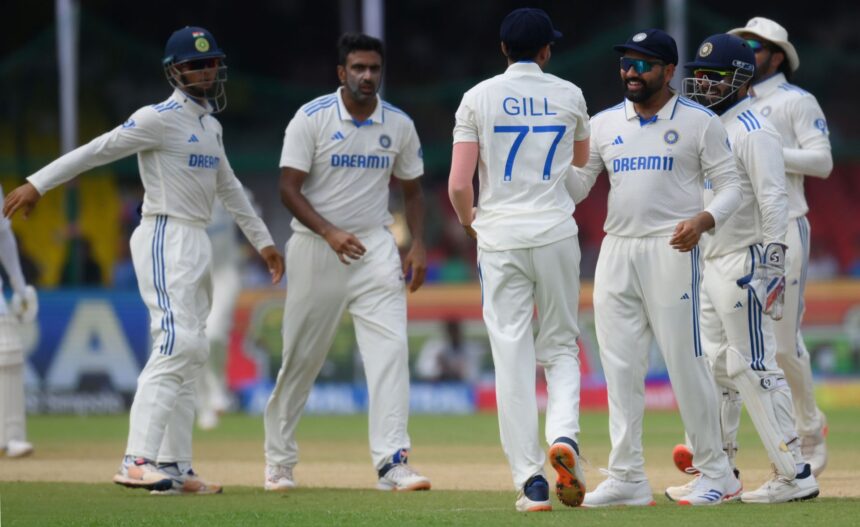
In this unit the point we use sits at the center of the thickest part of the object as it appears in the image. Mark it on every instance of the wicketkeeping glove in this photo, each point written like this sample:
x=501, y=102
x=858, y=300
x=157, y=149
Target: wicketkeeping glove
x=767, y=281
x=26, y=306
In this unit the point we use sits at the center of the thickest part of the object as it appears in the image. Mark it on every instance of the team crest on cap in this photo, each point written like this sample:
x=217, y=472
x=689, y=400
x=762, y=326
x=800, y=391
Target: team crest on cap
x=384, y=141
x=706, y=49
x=201, y=44
x=671, y=137
x=639, y=37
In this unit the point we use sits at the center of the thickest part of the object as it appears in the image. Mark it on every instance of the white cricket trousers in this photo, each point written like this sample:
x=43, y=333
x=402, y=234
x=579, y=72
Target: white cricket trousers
x=319, y=289
x=645, y=291
x=512, y=284
x=211, y=385
x=12, y=408
x=172, y=260
x=792, y=355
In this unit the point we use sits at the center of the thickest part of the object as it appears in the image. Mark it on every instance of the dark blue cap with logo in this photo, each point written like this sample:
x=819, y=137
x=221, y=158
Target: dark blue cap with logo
x=726, y=52
x=528, y=28
x=653, y=42
x=191, y=43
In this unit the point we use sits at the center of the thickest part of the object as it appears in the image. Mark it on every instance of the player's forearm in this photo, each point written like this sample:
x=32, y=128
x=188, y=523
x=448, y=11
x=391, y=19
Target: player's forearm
x=816, y=162
x=413, y=201
x=302, y=210
x=236, y=202
x=464, y=159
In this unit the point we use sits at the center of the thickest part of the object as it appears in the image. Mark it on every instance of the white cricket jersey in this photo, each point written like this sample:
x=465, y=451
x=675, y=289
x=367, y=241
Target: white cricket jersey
x=350, y=163
x=525, y=122
x=798, y=118
x=763, y=214
x=182, y=163
x=657, y=167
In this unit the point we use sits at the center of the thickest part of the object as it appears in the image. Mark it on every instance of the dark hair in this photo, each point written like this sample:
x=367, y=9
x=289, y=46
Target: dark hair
x=516, y=55
x=350, y=42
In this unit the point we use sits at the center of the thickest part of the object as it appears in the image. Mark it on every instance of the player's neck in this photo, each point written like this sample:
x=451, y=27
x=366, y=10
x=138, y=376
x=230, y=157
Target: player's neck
x=359, y=110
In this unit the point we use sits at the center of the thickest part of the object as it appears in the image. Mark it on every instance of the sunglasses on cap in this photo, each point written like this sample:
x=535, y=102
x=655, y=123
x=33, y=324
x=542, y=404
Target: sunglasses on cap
x=712, y=75
x=755, y=45
x=640, y=65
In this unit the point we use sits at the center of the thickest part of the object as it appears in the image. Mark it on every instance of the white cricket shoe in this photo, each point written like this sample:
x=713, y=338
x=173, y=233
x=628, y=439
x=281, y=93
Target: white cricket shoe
x=534, y=496
x=400, y=476
x=616, y=492
x=279, y=478
x=141, y=473
x=814, y=449
x=680, y=492
x=781, y=490
x=18, y=448
x=185, y=481
x=570, y=483
x=712, y=491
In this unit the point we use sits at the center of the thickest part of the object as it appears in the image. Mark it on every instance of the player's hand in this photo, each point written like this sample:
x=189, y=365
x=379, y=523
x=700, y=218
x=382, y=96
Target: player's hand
x=345, y=244
x=274, y=261
x=23, y=197
x=688, y=232
x=25, y=306
x=470, y=231
x=416, y=259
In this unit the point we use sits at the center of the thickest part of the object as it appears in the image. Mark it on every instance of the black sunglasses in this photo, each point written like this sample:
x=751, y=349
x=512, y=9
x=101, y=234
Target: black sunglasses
x=640, y=65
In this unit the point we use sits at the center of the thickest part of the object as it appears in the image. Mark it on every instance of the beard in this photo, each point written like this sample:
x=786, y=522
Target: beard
x=357, y=94
x=648, y=89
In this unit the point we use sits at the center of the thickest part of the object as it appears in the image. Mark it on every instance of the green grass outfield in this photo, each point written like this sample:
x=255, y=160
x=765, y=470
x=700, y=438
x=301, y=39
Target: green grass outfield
x=441, y=443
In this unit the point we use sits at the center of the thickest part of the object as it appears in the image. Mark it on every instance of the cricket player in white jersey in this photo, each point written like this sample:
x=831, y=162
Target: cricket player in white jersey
x=748, y=251
x=658, y=149
x=212, y=397
x=339, y=154
x=183, y=167
x=806, y=149
x=523, y=129
x=23, y=309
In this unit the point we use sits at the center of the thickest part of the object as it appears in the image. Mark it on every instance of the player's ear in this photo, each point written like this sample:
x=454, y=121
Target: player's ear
x=341, y=73
x=504, y=49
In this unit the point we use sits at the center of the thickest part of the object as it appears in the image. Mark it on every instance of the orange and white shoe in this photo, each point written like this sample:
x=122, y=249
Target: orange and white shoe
x=185, y=481
x=570, y=483
x=141, y=473
x=683, y=458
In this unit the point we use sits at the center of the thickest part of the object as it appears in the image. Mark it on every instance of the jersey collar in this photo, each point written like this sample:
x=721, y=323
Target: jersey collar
x=769, y=85
x=523, y=67
x=376, y=117
x=192, y=106
x=667, y=112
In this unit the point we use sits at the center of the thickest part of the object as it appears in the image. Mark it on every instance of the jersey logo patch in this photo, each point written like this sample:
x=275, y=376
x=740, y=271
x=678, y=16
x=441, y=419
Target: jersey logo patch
x=193, y=139
x=671, y=137
x=766, y=111
x=685, y=296
x=739, y=305
x=384, y=141
x=129, y=124
x=337, y=136
x=821, y=124
x=618, y=141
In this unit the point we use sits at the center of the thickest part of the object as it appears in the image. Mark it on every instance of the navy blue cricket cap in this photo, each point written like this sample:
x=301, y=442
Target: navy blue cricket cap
x=653, y=42
x=528, y=28
x=191, y=43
